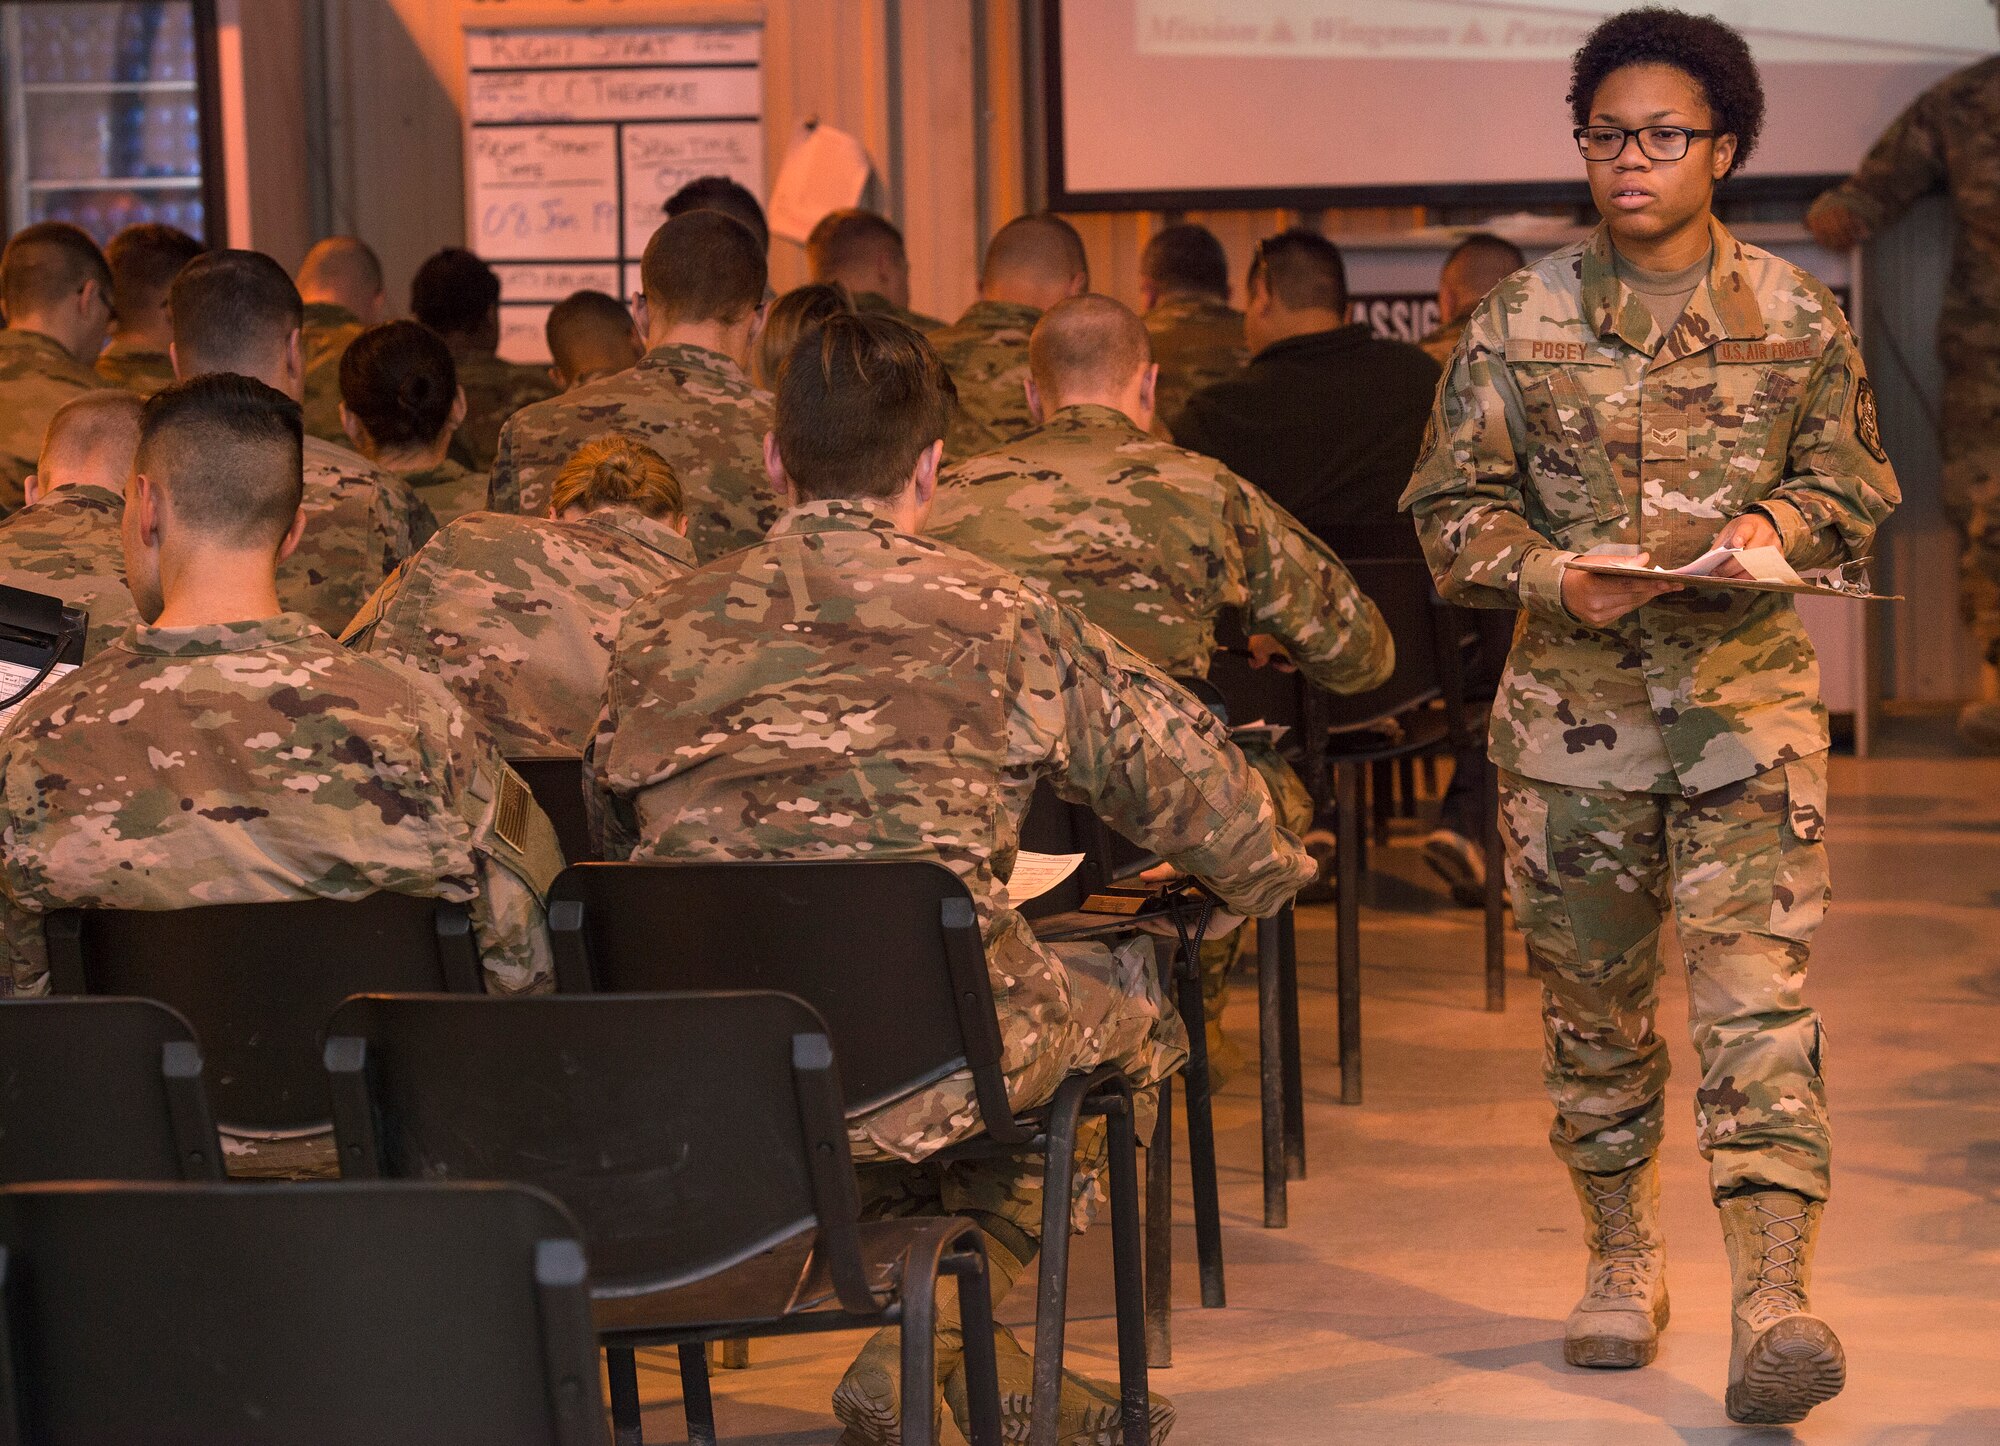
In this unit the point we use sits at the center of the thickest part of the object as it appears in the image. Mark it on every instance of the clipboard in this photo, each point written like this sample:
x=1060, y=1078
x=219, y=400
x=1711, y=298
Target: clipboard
x=1612, y=567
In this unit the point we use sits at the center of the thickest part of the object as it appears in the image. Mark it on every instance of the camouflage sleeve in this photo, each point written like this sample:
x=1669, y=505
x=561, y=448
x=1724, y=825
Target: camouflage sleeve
x=613, y=826
x=27, y=971
x=503, y=481
x=1151, y=761
x=1301, y=594
x=1466, y=493
x=1838, y=486
x=1907, y=163
x=515, y=854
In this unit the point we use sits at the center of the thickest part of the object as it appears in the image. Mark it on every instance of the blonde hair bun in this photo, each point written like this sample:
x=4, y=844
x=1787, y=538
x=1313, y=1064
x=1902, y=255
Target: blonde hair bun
x=617, y=470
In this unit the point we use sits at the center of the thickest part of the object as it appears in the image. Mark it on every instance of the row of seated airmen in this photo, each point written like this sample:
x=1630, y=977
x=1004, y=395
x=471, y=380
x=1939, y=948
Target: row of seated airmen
x=774, y=626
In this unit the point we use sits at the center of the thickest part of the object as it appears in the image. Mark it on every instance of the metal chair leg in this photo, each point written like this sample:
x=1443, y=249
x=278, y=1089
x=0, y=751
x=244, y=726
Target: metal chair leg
x=1348, y=950
x=975, y=1321
x=919, y=1341
x=1381, y=799
x=1052, y=1284
x=1271, y=1072
x=730, y=1355
x=624, y=1374
x=1292, y=1053
x=1201, y=1143
x=1160, y=1233
x=1496, y=929
x=696, y=1403
x=1128, y=1271
x=1406, y=787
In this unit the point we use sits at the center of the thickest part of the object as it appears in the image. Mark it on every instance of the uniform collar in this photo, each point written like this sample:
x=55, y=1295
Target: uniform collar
x=329, y=314
x=125, y=346
x=449, y=470
x=1725, y=307
x=647, y=531
x=210, y=638
x=26, y=340
x=1089, y=417
x=693, y=359
x=832, y=514
x=1190, y=303
x=998, y=315
x=84, y=492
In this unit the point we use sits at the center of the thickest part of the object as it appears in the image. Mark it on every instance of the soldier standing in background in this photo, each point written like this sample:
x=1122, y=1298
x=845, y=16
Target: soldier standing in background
x=144, y=258
x=237, y=311
x=340, y=282
x=1153, y=544
x=1031, y=263
x=688, y=399
x=1475, y=266
x=863, y=251
x=67, y=541
x=457, y=296
x=1664, y=388
x=1197, y=335
x=850, y=688
x=56, y=290
x=1949, y=141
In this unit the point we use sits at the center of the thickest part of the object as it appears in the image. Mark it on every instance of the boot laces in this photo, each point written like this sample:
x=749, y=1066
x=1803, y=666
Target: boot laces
x=1621, y=1243
x=1780, y=1289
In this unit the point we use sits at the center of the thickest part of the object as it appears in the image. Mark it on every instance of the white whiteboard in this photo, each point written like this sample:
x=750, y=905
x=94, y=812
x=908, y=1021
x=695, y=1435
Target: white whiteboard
x=574, y=140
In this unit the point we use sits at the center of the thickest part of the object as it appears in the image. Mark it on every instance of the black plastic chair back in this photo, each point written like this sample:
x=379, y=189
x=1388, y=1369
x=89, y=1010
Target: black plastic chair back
x=557, y=784
x=102, y=1089
x=257, y=981
x=1419, y=622
x=889, y=953
x=317, y=1315
x=686, y=1132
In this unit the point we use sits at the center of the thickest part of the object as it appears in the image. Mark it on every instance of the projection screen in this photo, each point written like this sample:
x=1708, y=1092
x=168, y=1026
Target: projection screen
x=1162, y=104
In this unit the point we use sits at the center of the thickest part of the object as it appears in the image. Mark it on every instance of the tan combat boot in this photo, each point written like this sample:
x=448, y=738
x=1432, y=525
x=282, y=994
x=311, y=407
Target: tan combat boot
x=1617, y=1324
x=1087, y=1411
x=1783, y=1361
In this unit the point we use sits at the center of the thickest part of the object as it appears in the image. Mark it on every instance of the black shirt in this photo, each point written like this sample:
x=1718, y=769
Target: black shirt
x=1329, y=424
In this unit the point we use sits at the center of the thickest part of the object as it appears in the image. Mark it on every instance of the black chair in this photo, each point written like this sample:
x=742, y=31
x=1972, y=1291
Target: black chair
x=700, y=1140
x=312, y=1314
x=1419, y=711
x=1055, y=826
x=558, y=784
x=257, y=981
x=102, y=1089
x=890, y=955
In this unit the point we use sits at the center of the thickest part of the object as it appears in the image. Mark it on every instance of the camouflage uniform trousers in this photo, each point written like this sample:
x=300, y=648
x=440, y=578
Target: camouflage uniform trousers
x=1295, y=813
x=1115, y=997
x=1970, y=430
x=1742, y=869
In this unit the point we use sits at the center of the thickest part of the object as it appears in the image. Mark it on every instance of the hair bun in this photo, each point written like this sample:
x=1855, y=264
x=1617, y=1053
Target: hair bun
x=616, y=469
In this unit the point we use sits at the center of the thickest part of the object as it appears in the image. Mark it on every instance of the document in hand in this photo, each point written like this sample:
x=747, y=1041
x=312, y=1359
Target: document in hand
x=1035, y=874
x=1769, y=572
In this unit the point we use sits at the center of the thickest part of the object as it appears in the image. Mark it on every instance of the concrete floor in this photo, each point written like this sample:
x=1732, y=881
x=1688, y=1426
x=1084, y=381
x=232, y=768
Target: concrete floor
x=1435, y=1248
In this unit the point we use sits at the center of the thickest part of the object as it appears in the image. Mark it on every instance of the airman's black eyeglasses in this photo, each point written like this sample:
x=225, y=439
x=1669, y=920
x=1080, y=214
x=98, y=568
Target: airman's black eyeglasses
x=1656, y=143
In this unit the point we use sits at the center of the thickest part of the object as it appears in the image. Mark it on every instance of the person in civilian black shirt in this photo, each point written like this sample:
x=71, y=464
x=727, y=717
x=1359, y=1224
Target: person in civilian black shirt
x=1328, y=419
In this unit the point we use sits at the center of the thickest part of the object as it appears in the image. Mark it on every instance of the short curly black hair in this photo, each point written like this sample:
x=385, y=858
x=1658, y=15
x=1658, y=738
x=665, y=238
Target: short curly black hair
x=1712, y=54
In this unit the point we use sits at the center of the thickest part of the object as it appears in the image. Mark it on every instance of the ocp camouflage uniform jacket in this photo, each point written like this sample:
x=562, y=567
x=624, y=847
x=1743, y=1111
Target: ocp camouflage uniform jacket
x=361, y=523
x=986, y=352
x=37, y=375
x=692, y=406
x=873, y=303
x=1948, y=140
x=323, y=339
x=1197, y=342
x=517, y=615
x=495, y=389
x=138, y=369
x=260, y=762
x=846, y=690
x=1152, y=542
x=69, y=545
x=1567, y=422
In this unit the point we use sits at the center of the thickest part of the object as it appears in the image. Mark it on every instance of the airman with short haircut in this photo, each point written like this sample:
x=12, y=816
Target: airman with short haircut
x=55, y=288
